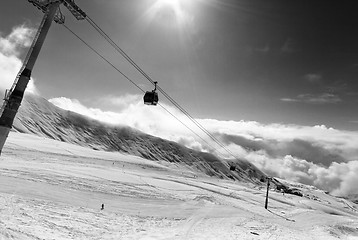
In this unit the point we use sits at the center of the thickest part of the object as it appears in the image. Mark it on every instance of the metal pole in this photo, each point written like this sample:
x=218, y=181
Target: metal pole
x=13, y=99
x=267, y=192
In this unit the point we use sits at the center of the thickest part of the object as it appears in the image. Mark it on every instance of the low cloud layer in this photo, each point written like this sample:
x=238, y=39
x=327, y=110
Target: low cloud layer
x=11, y=47
x=313, y=78
x=324, y=98
x=299, y=148
x=153, y=120
x=315, y=155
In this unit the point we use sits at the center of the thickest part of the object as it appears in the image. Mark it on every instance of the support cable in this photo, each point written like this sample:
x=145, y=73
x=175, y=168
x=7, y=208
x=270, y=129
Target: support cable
x=131, y=61
x=130, y=80
x=101, y=56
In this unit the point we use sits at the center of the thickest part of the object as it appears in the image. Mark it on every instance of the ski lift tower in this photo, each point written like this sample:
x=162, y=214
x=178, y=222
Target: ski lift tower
x=14, y=96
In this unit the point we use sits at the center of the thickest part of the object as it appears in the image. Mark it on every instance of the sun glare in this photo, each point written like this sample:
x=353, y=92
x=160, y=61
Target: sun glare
x=169, y=9
x=172, y=3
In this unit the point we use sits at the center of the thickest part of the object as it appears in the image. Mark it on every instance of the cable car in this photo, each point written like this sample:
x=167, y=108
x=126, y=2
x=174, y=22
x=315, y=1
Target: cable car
x=151, y=97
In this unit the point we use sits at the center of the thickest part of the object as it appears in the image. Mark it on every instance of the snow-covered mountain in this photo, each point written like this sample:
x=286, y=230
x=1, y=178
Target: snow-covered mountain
x=52, y=189
x=40, y=117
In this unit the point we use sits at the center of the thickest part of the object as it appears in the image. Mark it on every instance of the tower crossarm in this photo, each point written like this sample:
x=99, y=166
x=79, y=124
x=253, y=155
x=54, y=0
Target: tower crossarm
x=59, y=18
x=43, y=4
x=74, y=9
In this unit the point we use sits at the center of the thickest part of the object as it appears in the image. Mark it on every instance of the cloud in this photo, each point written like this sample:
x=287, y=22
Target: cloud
x=338, y=87
x=316, y=155
x=339, y=178
x=299, y=148
x=288, y=99
x=323, y=98
x=313, y=77
x=120, y=101
x=289, y=46
x=153, y=120
x=264, y=49
x=20, y=37
x=11, y=47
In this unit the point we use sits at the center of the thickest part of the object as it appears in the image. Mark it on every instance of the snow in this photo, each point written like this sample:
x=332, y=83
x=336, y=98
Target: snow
x=54, y=190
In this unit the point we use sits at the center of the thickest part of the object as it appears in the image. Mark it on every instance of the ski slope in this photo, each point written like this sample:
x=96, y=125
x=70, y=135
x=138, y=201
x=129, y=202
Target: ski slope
x=54, y=190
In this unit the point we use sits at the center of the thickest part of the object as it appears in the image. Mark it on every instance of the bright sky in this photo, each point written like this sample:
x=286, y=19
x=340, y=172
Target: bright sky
x=274, y=81
x=292, y=62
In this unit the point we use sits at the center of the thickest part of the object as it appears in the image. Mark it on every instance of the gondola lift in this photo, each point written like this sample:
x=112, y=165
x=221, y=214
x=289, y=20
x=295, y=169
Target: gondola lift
x=151, y=97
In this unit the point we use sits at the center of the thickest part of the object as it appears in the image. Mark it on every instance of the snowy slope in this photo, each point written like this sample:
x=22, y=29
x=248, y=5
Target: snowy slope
x=40, y=117
x=55, y=175
x=54, y=190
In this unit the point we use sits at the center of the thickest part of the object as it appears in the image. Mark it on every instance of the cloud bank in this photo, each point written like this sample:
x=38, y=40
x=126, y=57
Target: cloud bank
x=313, y=77
x=132, y=112
x=317, y=155
x=323, y=98
x=11, y=47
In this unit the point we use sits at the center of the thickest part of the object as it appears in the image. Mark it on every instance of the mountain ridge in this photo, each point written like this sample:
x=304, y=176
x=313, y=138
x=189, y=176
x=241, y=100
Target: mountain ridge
x=40, y=117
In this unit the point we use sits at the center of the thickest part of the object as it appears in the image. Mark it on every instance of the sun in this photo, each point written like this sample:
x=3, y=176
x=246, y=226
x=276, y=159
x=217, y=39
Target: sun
x=169, y=11
x=171, y=3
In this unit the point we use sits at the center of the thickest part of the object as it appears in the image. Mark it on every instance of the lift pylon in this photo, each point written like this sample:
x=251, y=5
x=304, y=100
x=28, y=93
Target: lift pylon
x=14, y=96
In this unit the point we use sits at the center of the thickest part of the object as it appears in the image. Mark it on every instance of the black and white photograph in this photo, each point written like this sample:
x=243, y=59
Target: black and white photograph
x=178, y=119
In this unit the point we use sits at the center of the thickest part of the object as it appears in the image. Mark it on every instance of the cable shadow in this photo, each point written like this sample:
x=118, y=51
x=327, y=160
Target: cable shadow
x=287, y=219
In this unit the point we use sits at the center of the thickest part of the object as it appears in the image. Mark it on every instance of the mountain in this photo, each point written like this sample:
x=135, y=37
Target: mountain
x=40, y=117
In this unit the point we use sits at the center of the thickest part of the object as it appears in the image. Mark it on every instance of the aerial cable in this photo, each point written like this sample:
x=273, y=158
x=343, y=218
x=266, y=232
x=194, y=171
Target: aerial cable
x=112, y=65
x=130, y=60
x=196, y=122
x=119, y=49
x=187, y=127
x=101, y=56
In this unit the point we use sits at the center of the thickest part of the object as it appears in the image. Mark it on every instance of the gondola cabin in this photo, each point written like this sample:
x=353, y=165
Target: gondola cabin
x=151, y=98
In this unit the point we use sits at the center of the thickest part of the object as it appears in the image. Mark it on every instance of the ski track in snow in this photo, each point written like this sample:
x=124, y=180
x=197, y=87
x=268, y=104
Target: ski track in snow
x=54, y=190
